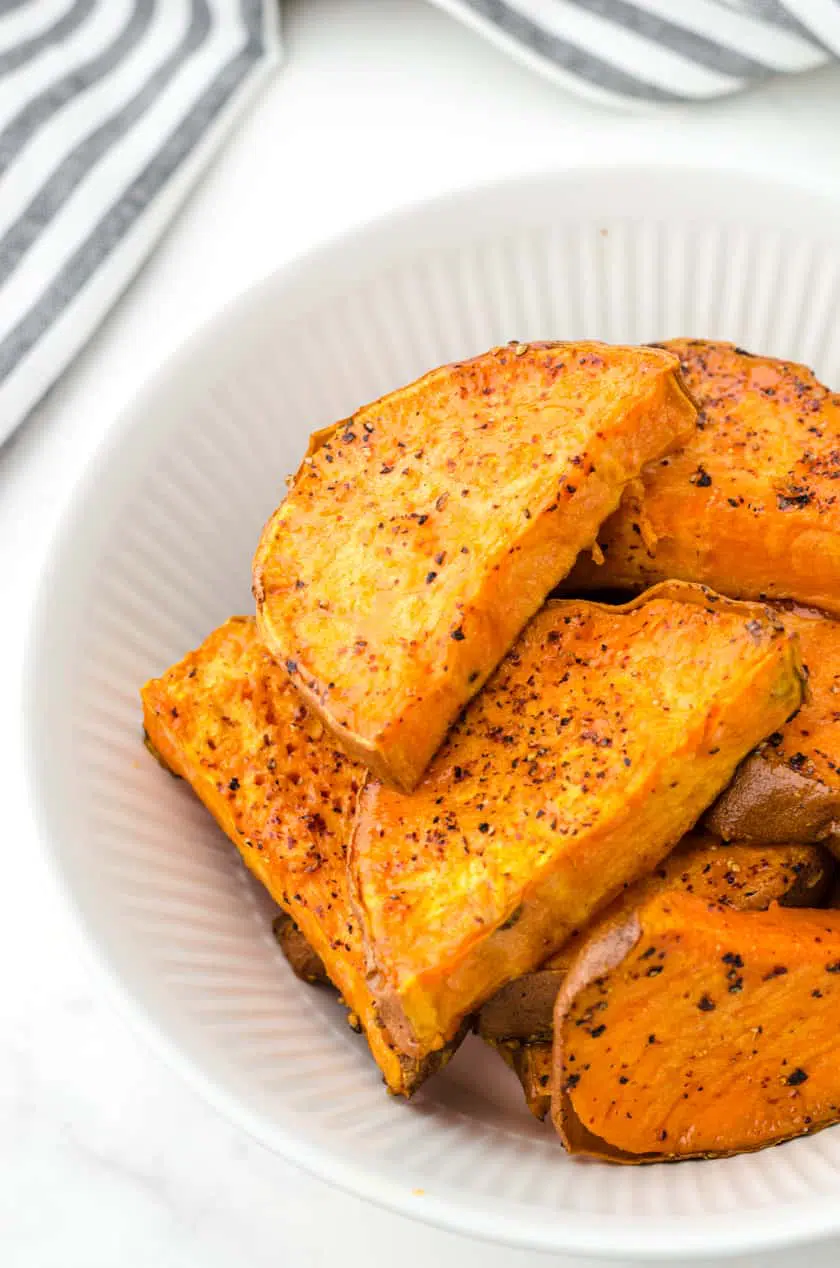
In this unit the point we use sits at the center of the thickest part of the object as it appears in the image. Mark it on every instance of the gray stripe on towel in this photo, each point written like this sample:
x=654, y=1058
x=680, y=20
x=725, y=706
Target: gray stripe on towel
x=571, y=57
x=24, y=52
x=38, y=111
x=678, y=39
x=76, y=166
x=135, y=200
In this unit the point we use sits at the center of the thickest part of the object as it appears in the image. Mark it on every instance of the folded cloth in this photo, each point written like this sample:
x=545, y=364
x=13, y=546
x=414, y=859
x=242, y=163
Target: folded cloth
x=659, y=51
x=109, y=110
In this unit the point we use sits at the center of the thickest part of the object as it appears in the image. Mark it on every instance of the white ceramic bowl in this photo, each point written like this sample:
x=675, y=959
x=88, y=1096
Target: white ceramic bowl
x=156, y=551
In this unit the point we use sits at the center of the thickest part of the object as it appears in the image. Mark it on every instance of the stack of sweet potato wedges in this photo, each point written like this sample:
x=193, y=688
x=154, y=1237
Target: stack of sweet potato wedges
x=597, y=830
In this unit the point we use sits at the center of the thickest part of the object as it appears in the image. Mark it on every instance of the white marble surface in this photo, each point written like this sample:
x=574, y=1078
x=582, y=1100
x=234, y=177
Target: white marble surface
x=105, y=1156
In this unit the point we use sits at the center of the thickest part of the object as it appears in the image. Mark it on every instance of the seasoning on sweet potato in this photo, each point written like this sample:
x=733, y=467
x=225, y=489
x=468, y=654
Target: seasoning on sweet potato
x=789, y=789
x=694, y=1030
x=749, y=506
x=227, y=719
x=746, y=877
x=588, y=755
x=304, y=962
x=421, y=534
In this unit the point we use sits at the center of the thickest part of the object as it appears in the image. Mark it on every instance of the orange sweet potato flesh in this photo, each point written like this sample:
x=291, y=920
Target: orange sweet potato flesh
x=421, y=534
x=746, y=877
x=585, y=759
x=789, y=789
x=694, y=1030
x=519, y=1020
x=751, y=505
x=227, y=719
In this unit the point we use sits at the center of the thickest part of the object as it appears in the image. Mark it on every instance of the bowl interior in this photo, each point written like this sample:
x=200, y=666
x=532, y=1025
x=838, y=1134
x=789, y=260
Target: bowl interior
x=156, y=551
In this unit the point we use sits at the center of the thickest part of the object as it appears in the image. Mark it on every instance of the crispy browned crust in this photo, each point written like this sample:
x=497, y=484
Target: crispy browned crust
x=421, y=534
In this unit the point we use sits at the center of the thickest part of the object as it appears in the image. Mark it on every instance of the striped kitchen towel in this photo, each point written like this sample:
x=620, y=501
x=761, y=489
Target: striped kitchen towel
x=659, y=51
x=109, y=110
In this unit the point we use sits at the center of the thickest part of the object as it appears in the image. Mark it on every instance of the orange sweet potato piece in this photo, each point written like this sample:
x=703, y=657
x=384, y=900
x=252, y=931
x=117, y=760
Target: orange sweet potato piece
x=421, y=534
x=588, y=755
x=746, y=877
x=227, y=719
x=789, y=789
x=694, y=1030
x=750, y=505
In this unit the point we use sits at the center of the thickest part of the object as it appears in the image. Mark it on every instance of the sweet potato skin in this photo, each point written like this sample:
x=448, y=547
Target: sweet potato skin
x=694, y=1030
x=532, y=1064
x=303, y=961
x=745, y=877
x=749, y=506
x=454, y=506
x=588, y=755
x=789, y=788
x=523, y=1009
x=228, y=721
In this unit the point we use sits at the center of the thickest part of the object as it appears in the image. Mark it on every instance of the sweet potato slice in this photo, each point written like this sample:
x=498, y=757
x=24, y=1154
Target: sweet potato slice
x=227, y=719
x=694, y=1030
x=746, y=877
x=789, y=789
x=421, y=534
x=588, y=755
x=749, y=506
x=519, y=1020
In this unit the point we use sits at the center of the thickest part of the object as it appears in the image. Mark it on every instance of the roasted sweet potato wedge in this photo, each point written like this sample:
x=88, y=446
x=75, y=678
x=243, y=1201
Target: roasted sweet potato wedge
x=746, y=877
x=227, y=719
x=694, y=1030
x=750, y=505
x=789, y=789
x=588, y=755
x=421, y=534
